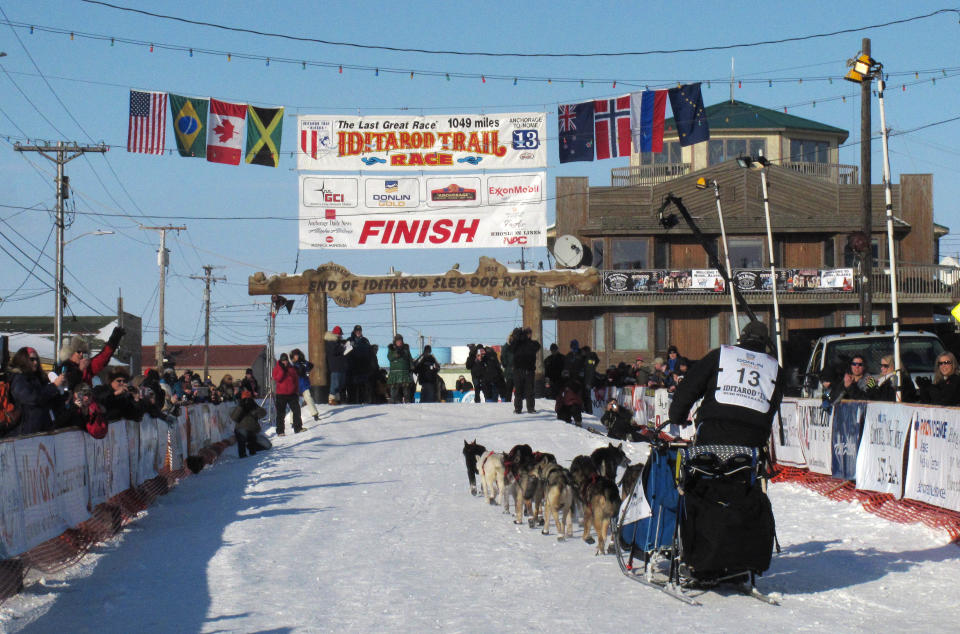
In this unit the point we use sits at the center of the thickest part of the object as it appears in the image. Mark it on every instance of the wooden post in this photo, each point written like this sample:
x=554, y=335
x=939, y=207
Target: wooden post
x=533, y=319
x=316, y=328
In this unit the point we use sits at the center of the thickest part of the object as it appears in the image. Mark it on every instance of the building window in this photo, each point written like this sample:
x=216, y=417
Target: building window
x=720, y=150
x=850, y=258
x=744, y=320
x=714, y=337
x=809, y=151
x=670, y=154
x=829, y=258
x=628, y=253
x=598, y=334
x=630, y=332
x=662, y=333
x=745, y=253
x=852, y=320
x=661, y=254
x=596, y=248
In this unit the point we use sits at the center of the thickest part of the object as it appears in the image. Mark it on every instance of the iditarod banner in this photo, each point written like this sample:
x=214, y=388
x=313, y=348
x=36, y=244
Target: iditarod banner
x=847, y=419
x=72, y=476
x=446, y=143
x=788, y=452
x=880, y=458
x=815, y=436
x=37, y=474
x=933, y=459
x=12, y=538
x=416, y=212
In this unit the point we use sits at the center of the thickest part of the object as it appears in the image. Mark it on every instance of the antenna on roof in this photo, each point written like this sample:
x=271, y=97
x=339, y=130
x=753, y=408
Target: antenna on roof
x=731, y=80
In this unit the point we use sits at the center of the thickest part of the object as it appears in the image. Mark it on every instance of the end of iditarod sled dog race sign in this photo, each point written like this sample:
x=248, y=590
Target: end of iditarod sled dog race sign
x=475, y=204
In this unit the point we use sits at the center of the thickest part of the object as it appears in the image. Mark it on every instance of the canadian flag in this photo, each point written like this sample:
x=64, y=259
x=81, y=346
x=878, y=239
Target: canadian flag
x=225, y=131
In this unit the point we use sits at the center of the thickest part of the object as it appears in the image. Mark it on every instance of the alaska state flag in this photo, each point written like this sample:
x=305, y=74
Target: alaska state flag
x=611, y=124
x=190, y=124
x=647, y=109
x=688, y=114
x=576, y=131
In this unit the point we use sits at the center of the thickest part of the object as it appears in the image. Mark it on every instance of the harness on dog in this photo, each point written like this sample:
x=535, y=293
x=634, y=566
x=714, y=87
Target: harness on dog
x=483, y=463
x=586, y=486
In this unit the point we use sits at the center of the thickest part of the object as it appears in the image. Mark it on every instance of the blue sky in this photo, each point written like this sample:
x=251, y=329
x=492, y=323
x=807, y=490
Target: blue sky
x=57, y=88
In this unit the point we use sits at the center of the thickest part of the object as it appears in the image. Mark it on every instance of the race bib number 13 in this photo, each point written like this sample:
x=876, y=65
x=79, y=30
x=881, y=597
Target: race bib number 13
x=746, y=379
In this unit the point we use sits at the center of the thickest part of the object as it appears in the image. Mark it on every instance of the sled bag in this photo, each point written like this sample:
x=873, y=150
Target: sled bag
x=656, y=532
x=726, y=526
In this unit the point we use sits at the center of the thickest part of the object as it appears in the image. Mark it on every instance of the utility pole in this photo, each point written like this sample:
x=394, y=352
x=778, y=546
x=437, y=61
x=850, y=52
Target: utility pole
x=207, y=278
x=393, y=310
x=866, y=210
x=61, y=154
x=163, y=260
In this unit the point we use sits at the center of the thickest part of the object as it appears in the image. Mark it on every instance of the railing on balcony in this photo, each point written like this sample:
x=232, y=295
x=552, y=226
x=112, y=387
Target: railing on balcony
x=915, y=283
x=655, y=174
x=647, y=174
x=833, y=172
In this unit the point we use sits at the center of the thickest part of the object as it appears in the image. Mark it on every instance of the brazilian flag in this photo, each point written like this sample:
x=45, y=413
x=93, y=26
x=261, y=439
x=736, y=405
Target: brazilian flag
x=264, y=126
x=190, y=124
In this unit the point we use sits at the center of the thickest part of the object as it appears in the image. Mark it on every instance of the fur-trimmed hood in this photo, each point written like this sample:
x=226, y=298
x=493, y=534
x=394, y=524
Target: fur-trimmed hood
x=74, y=344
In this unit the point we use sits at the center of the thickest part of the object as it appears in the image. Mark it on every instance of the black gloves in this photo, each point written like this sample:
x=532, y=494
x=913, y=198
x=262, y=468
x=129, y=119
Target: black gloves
x=116, y=336
x=923, y=380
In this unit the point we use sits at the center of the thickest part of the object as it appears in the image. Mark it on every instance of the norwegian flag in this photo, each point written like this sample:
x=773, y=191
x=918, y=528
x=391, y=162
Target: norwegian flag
x=611, y=120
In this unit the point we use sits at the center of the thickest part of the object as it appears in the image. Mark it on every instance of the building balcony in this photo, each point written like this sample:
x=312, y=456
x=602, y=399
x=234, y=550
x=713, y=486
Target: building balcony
x=916, y=284
x=662, y=173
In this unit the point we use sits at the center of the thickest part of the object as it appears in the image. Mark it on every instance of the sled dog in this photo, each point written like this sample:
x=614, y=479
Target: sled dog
x=471, y=452
x=608, y=459
x=557, y=497
x=601, y=503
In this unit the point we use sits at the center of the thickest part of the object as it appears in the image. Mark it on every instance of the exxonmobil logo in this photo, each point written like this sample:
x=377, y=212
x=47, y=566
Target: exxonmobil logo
x=441, y=231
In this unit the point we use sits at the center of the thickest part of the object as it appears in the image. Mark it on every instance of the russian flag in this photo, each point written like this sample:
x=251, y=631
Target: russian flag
x=647, y=111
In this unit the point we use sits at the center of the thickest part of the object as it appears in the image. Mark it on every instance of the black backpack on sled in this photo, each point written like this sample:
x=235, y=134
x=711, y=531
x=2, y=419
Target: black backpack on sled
x=727, y=524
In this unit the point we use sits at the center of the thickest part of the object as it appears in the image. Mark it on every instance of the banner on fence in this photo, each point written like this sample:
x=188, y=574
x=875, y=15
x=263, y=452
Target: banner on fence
x=37, y=474
x=12, y=539
x=933, y=458
x=71, y=461
x=882, y=445
x=751, y=280
x=788, y=452
x=513, y=140
x=416, y=212
x=815, y=436
x=623, y=282
x=845, y=434
x=149, y=444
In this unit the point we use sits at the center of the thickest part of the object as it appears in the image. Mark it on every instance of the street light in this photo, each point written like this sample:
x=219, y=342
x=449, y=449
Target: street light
x=61, y=295
x=864, y=69
x=763, y=163
x=702, y=184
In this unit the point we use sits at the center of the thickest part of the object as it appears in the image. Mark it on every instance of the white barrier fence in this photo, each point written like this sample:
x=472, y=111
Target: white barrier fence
x=52, y=482
x=908, y=451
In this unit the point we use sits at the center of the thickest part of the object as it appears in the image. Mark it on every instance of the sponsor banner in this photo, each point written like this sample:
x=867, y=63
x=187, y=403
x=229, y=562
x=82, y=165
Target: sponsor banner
x=817, y=280
x=675, y=281
x=815, y=435
x=133, y=448
x=149, y=442
x=37, y=474
x=880, y=458
x=425, y=143
x=466, y=211
x=847, y=421
x=71, y=461
x=12, y=538
x=933, y=459
x=706, y=280
x=753, y=280
x=637, y=507
x=621, y=282
x=788, y=452
x=183, y=436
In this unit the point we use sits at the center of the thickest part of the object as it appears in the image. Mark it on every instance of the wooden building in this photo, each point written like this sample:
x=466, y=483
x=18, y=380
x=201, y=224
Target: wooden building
x=814, y=205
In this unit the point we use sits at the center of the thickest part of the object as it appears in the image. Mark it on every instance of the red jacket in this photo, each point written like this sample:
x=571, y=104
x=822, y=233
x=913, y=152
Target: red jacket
x=287, y=379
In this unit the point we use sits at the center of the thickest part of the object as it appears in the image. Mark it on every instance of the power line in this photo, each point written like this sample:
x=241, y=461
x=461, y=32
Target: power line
x=721, y=47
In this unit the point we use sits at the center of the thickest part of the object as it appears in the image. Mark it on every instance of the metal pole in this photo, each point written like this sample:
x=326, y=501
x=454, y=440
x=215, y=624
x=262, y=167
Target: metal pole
x=58, y=310
x=866, y=211
x=888, y=195
x=726, y=257
x=773, y=270
x=393, y=311
x=162, y=261
x=273, y=333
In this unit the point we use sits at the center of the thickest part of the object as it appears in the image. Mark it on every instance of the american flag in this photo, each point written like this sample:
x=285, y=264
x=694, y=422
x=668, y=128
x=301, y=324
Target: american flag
x=148, y=118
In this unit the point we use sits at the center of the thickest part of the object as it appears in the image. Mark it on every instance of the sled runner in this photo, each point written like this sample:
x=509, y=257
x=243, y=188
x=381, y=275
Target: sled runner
x=697, y=518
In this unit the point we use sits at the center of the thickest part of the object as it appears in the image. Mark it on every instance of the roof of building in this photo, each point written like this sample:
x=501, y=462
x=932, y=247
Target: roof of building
x=220, y=356
x=43, y=325
x=739, y=115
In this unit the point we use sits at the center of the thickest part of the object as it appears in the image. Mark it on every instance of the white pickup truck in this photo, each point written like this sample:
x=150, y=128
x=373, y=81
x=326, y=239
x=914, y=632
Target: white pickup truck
x=918, y=354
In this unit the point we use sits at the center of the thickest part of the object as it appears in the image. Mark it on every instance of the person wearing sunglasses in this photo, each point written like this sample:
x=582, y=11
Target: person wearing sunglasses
x=945, y=387
x=38, y=398
x=882, y=386
x=119, y=399
x=853, y=385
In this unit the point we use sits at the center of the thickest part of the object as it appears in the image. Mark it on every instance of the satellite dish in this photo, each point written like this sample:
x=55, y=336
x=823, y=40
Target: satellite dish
x=568, y=251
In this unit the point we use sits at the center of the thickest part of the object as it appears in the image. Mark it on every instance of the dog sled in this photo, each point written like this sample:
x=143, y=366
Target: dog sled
x=697, y=519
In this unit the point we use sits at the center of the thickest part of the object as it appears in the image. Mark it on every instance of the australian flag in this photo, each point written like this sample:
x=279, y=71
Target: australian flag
x=688, y=114
x=576, y=132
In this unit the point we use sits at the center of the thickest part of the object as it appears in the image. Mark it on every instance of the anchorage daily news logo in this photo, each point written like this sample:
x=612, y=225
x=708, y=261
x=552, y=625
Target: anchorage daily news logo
x=453, y=192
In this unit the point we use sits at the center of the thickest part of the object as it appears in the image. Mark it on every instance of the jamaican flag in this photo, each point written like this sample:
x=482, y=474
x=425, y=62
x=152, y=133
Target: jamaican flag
x=264, y=126
x=190, y=124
